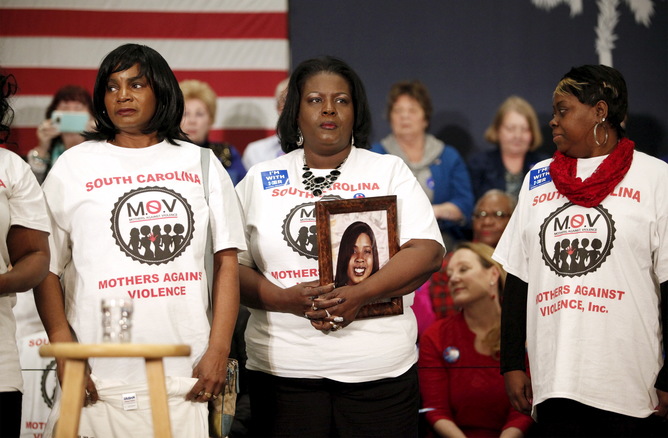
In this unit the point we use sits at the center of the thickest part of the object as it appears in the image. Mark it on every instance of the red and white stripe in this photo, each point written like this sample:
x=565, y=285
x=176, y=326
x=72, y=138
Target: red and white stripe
x=240, y=47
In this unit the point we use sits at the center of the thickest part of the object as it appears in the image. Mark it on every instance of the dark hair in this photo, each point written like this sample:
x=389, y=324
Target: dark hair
x=415, y=89
x=347, y=249
x=287, y=127
x=166, y=121
x=7, y=88
x=593, y=83
x=70, y=93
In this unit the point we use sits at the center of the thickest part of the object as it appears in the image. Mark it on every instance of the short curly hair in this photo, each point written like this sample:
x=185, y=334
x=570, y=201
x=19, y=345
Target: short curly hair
x=593, y=83
x=8, y=88
x=194, y=89
x=415, y=89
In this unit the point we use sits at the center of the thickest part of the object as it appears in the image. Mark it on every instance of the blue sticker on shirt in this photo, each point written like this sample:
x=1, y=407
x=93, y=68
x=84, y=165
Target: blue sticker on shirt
x=451, y=354
x=274, y=178
x=538, y=177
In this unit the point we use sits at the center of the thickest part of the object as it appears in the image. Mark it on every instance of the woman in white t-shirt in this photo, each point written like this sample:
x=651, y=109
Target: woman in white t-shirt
x=329, y=374
x=586, y=252
x=24, y=230
x=131, y=216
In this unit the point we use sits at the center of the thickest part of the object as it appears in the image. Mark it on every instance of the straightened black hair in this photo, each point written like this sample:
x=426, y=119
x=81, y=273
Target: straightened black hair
x=287, y=127
x=166, y=121
x=347, y=249
x=8, y=87
x=593, y=83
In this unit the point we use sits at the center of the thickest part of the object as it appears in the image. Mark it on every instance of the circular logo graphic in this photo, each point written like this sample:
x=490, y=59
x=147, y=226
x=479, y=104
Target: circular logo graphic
x=576, y=240
x=300, y=231
x=48, y=383
x=152, y=225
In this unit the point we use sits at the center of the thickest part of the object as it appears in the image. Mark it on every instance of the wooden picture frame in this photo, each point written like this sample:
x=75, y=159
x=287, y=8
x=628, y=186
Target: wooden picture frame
x=333, y=219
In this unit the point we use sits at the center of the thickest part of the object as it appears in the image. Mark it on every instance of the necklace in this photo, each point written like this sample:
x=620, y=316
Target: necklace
x=316, y=184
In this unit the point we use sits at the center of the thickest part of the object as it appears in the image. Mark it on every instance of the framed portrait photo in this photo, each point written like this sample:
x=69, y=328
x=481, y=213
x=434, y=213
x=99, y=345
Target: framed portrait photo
x=357, y=237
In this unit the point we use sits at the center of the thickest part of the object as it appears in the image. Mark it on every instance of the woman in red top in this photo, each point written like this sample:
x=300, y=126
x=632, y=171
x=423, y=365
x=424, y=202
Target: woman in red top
x=460, y=381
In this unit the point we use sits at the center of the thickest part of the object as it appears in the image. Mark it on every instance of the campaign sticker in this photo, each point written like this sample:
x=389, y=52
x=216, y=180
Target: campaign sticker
x=274, y=178
x=538, y=177
x=451, y=354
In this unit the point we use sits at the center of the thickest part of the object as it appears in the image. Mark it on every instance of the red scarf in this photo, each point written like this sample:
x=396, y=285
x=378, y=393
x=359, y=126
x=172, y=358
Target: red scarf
x=592, y=191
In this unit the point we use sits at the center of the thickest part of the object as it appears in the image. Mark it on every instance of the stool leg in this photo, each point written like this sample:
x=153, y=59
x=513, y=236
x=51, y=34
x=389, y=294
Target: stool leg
x=155, y=374
x=71, y=401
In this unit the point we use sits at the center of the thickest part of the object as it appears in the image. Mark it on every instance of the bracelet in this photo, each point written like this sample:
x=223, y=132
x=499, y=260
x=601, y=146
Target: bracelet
x=34, y=155
x=39, y=165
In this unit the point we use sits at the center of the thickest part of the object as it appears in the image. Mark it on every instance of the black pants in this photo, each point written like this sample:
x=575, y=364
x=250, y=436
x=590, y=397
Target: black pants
x=10, y=414
x=560, y=417
x=322, y=408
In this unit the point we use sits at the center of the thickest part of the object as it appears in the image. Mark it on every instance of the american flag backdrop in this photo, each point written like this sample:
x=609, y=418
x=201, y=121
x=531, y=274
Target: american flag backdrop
x=240, y=47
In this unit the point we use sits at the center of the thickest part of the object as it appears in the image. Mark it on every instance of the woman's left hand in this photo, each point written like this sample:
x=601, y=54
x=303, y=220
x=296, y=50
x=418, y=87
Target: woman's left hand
x=211, y=372
x=335, y=310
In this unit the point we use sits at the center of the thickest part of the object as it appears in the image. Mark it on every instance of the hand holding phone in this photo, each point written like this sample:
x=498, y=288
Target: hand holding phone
x=70, y=121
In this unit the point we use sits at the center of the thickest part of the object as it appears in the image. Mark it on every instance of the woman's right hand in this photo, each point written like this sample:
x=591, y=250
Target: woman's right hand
x=298, y=299
x=46, y=132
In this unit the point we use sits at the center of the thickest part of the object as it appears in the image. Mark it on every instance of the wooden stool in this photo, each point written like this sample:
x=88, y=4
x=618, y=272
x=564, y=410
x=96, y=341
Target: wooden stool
x=76, y=355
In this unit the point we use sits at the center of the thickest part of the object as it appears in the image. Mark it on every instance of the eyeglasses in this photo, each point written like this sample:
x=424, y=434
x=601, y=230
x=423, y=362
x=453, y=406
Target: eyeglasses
x=491, y=214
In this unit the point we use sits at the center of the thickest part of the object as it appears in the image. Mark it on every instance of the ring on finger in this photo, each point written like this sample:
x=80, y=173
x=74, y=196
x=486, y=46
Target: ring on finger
x=313, y=306
x=327, y=312
x=207, y=395
x=201, y=393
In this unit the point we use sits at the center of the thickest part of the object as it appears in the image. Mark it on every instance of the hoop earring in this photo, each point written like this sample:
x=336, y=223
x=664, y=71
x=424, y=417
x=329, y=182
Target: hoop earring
x=596, y=135
x=300, y=138
x=352, y=140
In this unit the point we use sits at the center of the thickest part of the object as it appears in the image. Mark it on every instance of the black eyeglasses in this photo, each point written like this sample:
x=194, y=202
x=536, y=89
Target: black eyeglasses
x=492, y=214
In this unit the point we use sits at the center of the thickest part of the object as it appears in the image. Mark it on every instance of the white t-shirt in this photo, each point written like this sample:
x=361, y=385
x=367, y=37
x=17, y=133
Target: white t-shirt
x=261, y=150
x=40, y=384
x=21, y=203
x=132, y=223
x=593, y=329
x=281, y=235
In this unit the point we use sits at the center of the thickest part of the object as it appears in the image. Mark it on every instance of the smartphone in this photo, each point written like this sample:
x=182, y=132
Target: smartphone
x=70, y=121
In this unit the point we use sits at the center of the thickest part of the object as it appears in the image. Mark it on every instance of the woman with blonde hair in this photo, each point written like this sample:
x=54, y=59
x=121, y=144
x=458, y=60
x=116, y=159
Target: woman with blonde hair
x=516, y=133
x=460, y=381
x=198, y=118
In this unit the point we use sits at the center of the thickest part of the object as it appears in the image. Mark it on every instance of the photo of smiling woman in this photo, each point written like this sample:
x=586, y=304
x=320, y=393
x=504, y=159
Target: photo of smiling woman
x=358, y=255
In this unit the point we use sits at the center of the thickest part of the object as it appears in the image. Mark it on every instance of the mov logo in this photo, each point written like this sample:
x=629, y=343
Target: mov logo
x=300, y=230
x=575, y=240
x=152, y=225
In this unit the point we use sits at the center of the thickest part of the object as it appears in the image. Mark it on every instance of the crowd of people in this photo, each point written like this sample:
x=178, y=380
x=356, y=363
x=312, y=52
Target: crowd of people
x=531, y=303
